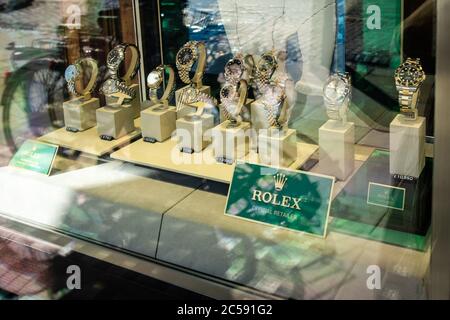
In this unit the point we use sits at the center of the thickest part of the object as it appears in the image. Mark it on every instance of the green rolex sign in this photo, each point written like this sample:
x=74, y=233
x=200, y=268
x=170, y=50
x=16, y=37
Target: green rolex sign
x=285, y=198
x=35, y=156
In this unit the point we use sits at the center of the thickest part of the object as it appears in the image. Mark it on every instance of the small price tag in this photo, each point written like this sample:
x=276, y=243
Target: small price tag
x=386, y=196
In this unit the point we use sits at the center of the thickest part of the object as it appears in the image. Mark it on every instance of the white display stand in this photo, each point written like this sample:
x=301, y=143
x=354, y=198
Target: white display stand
x=79, y=115
x=277, y=147
x=135, y=102
x=115, y=122
x=191, y=132
x=259, y=121
x=186, y=109
x=407, y=146
x=230, y=143
x=158, y=123
x=337, y=149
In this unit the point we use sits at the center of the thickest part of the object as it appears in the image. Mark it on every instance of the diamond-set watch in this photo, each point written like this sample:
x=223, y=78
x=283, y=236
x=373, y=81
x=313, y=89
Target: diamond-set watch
x=74, y=72
x=276, y=106
x=233, y=99
x=409, y=77
x=264, y=70
x=191, y=52
x=337, y=95
x=154, y=83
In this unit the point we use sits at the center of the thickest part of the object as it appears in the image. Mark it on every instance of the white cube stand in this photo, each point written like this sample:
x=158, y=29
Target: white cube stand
x=230, y=143
x=337, y=149
x=185, y=110
x=258, y=120
x=79, y=115
x=191, y=133
x=277, y=147
x=158, y=123
x=407, y=146
x=135, y=102
x=115, y=122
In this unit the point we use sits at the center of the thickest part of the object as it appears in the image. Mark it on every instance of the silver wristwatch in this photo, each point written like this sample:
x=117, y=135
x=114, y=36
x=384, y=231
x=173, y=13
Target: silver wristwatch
x=337, y=95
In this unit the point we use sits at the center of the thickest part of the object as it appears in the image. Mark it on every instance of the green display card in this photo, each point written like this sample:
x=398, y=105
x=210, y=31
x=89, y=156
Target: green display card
x=295, y=200
x=386, y=196
x=35, y=156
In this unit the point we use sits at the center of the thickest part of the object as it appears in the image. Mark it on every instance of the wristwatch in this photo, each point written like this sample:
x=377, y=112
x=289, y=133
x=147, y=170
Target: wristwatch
x=154, y=82
x=115, y=87
x=409, y=76
x=233, y=99
x=117, y=55
x=337, y=95
x=276, y=106
x=265, y=68
x=74, y=72
x=191, y=52
x=234, y=70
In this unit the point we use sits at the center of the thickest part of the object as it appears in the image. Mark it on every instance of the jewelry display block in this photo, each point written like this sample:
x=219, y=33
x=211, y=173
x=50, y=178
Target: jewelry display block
x=337, y=149
x=277, y=147
x=79, y=115
x=230, y=144
x=245, y=113
x=158, y=123
x=185, y=110
x=407, y=146
x=258, y=120
x=191, y=132
x=115, y=122
x=135, y=102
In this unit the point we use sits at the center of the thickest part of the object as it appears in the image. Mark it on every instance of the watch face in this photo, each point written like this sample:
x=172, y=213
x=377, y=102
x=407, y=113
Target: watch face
x=267, y=63
x=114, y=57
x=227, y=92
x=336, y=89
x=185, y=56
x=71, y=73
x=154, y=79
x=234, y=69
x=410, y=74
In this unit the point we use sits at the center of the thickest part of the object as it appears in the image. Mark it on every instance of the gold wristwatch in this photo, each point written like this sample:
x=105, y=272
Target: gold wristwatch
x=191, y=52
x=409, y=76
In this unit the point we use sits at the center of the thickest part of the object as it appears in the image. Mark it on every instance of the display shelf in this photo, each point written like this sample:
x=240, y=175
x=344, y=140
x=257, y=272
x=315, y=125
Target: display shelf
x=88, y=141
x=166, y=156
x=273, y=259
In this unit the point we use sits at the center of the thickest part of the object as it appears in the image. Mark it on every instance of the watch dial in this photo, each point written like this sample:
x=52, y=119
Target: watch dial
x=153, y=78
x=267, y=63
x=410, y=74
x=233, y=69
x=227, y=92
x=185, y=56
x=114, y=57
x=336, y=89
x=70, y=73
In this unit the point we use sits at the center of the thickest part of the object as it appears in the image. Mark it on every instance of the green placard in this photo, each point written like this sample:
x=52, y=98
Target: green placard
x=386, y=196
x=35, y=156
x=289, y=199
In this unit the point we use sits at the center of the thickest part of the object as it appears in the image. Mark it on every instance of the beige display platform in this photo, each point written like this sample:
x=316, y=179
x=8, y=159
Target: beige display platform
x=158, y=123
x=88, y=141
x=166, y=156
x=79, y=115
